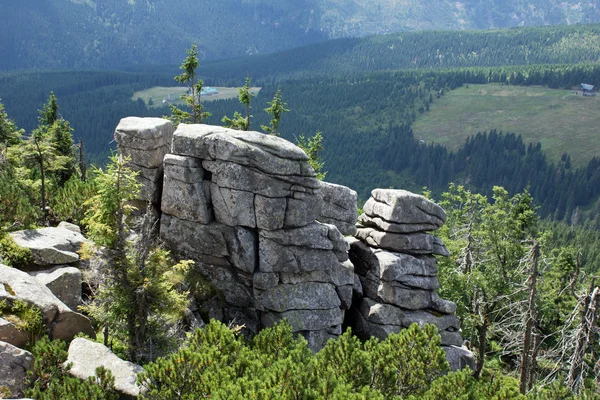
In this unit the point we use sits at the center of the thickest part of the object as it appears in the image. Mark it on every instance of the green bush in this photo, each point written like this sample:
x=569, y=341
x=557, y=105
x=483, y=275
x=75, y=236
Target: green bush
x=12, y=254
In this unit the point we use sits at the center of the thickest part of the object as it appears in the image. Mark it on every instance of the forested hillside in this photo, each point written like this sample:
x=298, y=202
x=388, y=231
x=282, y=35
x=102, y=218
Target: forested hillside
x=116, y=33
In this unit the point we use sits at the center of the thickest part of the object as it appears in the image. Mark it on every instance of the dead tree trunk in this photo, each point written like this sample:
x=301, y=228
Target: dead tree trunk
x=530, y=322
x=583, y=338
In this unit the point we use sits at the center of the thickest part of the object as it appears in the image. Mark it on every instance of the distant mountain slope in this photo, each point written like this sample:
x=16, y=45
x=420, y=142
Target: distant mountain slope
x=564, y=44
x=115, y=33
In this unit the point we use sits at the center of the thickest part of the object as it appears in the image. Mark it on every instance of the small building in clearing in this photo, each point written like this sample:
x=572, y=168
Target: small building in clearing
x=586, y=90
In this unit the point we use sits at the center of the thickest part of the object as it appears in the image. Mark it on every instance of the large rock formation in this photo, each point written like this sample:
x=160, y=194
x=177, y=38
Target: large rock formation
x=393, y=257
x=248, y=209
x=244, y=206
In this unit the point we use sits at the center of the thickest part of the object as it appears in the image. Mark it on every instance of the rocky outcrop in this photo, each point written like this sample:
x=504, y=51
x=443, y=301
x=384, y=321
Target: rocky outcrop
x=14, y=365
x=393, y=258
x=248, y=209
x=85, y=356
x=51, y=246
x=145, y=141
x=244, y=206
x=61, y=322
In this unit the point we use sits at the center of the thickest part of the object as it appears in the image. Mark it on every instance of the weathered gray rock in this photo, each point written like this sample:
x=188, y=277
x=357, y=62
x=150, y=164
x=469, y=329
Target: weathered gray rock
x=270, y=212
x=69, y=226
x=235, y=245
x=10, y=334
x=302, y=209
x=64, y=283
x=395, y=266
x=382, y=314
x=412, y=243
x=440, y=305
x=305, y=320
x=265, y=281
x=144, y=133
x=86, y=356
x=239, y=177
x=62, y=322
x=404, y=297
x=275, y=257
x=302, y=296
x=443, y=322
x=451, y=338
x=459, y=358
x=14, y=365
x=339, y=207
x=403, y=207
x=189, y=201
x=386, y=226
x=50, y=246
x=314, y=236
x=439, y=247
x=345, y=295
x=233, y=284
x=184, y=169
x=266, y=153
x=233, y=207
x=144, y=140
x=365, y=329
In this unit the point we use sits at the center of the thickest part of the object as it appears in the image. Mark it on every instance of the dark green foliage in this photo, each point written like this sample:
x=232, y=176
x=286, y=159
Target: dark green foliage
x=51, y=381
x=12, y=254
x=239, y=121
x=217, y=363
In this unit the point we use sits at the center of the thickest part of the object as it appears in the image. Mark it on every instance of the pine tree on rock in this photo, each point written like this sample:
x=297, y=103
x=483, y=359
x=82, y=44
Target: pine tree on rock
x=275, y=109
x=192, y=99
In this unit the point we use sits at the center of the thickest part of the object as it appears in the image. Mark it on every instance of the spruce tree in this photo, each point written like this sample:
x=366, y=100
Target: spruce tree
x=275, y=109
x=192, y=100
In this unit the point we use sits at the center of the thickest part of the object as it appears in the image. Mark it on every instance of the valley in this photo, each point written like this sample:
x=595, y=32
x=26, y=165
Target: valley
x=557, y=118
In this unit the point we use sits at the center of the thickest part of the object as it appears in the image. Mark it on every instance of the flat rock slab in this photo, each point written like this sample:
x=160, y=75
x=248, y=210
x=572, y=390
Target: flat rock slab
x=268, y=153
x=14, y=365
x=412, y=243
x=144, y=133
x=404, y=208
x=86, y=356
x=302, y=296
x=459, y=358
x=50, y=246
x=62, y=322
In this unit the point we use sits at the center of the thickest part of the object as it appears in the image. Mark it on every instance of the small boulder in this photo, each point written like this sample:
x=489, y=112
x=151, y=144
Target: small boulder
x=86, y=356
x=14, y=364
x=50, y=246
x=61, y=321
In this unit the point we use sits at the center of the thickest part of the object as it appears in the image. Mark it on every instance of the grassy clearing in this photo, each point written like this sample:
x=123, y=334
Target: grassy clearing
x=560, y=120
x=159, y=93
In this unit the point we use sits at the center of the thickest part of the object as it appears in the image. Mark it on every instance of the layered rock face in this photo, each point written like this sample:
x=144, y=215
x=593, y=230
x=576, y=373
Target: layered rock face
x=244, y=206
x=248, y=209
x=394, y=258
x=145, y=141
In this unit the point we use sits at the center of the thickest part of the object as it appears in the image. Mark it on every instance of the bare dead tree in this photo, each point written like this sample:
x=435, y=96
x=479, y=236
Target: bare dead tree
x=528, y=353
x=584, y=336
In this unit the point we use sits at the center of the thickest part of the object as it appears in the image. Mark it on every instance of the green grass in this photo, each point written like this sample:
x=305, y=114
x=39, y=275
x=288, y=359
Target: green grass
x=159, y=93
x=560, y=120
